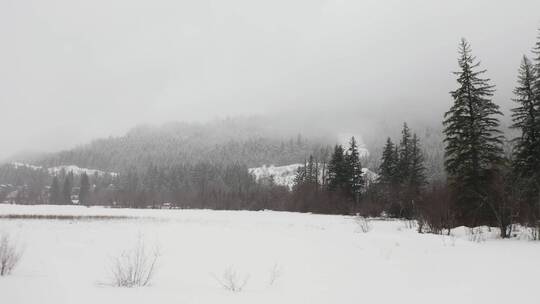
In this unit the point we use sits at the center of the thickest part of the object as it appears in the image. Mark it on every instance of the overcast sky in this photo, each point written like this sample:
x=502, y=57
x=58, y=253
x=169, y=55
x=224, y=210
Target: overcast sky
x=73, y=70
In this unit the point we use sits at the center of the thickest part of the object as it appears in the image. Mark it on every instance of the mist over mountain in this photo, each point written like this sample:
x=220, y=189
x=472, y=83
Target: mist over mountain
x=250, y=141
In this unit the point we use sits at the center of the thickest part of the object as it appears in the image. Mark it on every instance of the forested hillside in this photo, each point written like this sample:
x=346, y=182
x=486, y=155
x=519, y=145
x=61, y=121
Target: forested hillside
x=245, y=141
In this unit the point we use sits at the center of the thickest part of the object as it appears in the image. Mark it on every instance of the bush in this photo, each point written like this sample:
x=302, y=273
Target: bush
x=10, y=255
x=435, y=211
x=232, y=281
x=134, y=268
x=363, y=223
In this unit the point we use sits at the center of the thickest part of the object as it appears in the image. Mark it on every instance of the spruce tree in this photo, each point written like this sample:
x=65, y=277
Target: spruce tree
x=396, y=178
x=84, y=192
x=536, y=52
x=387, y=184
x=388, y=166
x=312, y=172
x=526, y=118
x=337, y=170
x=417, y=171
x=354, y=170
x=473, y=140
x=404, y=162
x=537, y=89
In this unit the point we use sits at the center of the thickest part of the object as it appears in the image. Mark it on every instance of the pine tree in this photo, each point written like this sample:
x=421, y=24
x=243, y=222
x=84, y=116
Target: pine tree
x=354, y=169
x=337, y=170
x=404, y=162
x=473, y=140
x=411, y=187
x=537, y=89
x=55, y=194
x=526, y=117
x=388, y=166
x=536, y=52
x=536, y=196
x=84, y=192
x=312, y=172
x=417, y=171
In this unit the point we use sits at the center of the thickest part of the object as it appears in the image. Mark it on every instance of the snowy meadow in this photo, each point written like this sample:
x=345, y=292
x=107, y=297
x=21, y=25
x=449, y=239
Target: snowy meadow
x=70, y=253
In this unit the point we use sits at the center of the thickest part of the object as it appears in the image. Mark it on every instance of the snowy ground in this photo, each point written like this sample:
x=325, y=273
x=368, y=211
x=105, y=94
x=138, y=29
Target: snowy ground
x=320, y=259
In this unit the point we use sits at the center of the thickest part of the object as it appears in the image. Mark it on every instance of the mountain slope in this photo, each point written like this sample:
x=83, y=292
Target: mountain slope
x=247, y=141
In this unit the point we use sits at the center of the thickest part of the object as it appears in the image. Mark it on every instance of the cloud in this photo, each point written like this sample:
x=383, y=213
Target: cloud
x=72, y=70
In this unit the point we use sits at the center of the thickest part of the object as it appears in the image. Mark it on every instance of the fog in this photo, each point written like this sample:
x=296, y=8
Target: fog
x=73, y=70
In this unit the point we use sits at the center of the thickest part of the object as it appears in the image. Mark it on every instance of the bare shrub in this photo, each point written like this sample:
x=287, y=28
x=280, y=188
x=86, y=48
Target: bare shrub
x=275, y=273
x=134, y=267
x=435, y=210
x=363, y=223
x=10, y=254
x=232, y=281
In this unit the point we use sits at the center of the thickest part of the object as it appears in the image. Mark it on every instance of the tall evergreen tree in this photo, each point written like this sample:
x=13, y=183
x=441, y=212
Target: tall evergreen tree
x=337, y=170
x=389, y=162
x=417, y=170
x=473, y=140
x=536, y=52
x=537, y=83
x=355, y=180
x=526, y=118
x=55, y=193
x=312, y=172
x=84, y=192
x=404, y=161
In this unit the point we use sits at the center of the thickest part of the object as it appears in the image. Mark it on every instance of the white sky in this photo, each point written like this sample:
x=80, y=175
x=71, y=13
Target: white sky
x=73, y=70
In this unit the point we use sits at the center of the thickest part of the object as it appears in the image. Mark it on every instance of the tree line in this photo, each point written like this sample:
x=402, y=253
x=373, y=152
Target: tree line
x=483, y=184
x=487, y=186
x=340, y=184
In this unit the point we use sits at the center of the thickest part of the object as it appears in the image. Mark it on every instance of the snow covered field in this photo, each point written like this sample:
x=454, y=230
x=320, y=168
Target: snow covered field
x=312, y=259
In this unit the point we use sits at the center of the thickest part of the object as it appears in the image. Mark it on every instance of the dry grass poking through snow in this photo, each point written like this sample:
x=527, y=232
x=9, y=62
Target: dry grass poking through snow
x=134, y=267
x=10, y=254
x=231, y=280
